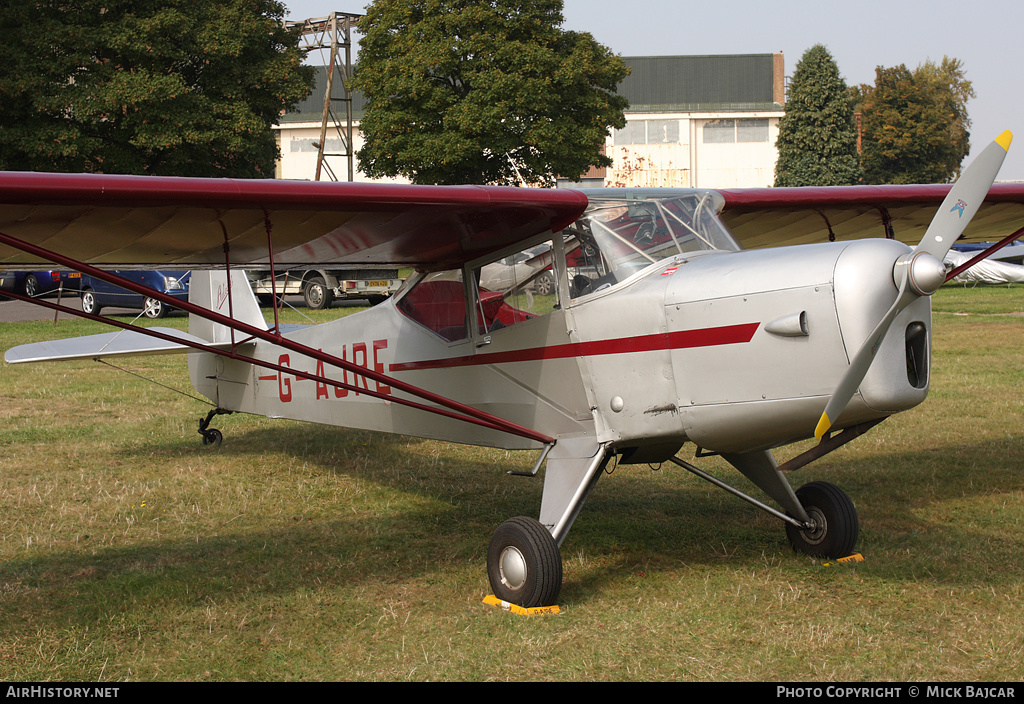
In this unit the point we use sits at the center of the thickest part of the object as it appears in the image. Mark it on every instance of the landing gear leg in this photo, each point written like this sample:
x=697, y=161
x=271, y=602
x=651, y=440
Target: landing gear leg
x=212, y=436
x=820, y=518
x=524, y=564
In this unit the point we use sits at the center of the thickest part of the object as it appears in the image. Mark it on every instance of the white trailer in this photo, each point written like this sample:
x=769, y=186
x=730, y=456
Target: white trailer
x=319, y=288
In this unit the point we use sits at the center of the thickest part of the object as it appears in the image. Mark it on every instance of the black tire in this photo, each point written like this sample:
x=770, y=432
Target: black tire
x=317, y=295
x=524, y=564
x=154, y=309
x=89, y=304
x=836, y=524
x=267, y=299
x=31, y=286
x=213, y=437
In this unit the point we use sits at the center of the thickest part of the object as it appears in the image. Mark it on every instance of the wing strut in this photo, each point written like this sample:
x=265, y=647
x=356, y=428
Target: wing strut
x=988, y=252
x=456, y=410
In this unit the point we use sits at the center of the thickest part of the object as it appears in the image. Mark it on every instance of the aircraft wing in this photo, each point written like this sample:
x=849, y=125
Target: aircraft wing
x=125, y=343
x=104, y=219
x=109, y=344
x=771, y=217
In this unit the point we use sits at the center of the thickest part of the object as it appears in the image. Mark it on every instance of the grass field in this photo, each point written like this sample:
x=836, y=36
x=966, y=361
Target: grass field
x=128, y=551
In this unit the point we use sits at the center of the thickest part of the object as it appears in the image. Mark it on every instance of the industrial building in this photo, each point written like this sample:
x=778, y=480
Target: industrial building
x=705, y=121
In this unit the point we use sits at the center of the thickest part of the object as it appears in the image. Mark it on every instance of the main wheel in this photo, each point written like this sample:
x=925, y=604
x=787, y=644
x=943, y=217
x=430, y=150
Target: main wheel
x=317, y=295
x=524, y=564
x=835, y=525
x=154, y=308
x=89, y=304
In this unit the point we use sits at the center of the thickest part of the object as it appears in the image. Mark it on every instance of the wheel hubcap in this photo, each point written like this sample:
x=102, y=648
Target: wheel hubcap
x=818, y=528
x=512, y=565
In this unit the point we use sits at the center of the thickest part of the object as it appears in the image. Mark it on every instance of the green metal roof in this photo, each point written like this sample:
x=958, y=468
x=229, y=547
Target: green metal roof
x=721, y=83
x=311, y=109
x=699, y=83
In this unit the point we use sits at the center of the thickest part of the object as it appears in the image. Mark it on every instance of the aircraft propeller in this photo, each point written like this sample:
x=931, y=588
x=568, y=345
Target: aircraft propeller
x=921, y=272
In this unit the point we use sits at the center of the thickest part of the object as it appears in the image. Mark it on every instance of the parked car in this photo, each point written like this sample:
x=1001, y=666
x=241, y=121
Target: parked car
x=97, y=294
x=506, y=273
x=38, y=283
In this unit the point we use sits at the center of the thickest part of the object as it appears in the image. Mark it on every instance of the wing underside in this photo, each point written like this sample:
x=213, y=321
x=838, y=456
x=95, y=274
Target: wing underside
x=770, y=217
x=195, y=223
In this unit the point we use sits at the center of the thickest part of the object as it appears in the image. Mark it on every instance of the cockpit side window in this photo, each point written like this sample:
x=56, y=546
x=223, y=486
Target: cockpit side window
x=516, y=288
x=438, y=303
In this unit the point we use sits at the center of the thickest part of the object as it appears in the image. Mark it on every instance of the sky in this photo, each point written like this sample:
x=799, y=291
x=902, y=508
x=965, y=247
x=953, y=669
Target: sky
x=861, y=35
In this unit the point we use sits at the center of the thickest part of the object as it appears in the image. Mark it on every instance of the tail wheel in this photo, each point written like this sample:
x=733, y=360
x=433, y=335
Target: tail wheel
x=834, y=524
x=213, y=437
x=524, y=564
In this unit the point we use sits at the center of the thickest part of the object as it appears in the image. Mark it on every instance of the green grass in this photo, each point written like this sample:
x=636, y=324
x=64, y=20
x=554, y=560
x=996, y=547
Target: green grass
x=128, y=551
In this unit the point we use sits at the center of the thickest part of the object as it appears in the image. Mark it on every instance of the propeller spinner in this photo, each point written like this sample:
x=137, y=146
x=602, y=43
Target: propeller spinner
x=921, y=272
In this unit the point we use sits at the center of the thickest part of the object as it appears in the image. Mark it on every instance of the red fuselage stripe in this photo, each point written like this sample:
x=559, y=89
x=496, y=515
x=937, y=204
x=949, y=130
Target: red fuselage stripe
x=707, y=337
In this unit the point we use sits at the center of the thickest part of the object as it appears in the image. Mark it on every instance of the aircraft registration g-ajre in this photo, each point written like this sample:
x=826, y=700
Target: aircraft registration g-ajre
x=676, y=316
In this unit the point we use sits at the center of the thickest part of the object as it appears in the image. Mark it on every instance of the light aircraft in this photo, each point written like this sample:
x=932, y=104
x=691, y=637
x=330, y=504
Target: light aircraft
x=660, y=330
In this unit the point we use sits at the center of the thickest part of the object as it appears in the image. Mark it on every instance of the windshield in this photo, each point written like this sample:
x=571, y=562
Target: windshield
x=625, y=230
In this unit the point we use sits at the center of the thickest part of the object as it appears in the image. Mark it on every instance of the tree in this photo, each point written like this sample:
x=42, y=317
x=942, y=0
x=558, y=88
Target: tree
x=817, y=139
x=472, y=91
x=915, y=123
x=164, y=87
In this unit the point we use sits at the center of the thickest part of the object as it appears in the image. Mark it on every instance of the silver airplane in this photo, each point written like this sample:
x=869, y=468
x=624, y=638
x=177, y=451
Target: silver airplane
x=658, y=330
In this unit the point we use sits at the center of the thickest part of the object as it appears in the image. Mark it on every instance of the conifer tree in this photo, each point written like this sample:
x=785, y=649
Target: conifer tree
x=817, y=139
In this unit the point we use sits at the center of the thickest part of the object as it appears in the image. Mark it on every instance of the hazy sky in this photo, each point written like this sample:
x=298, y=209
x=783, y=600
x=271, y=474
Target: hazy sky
x=983, y=34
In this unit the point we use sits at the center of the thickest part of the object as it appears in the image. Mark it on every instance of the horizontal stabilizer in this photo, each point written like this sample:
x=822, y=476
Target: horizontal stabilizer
x=111, y=344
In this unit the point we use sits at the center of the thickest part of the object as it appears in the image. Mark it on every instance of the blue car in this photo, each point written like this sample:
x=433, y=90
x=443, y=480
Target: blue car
x=38, y=283
x=97, y=294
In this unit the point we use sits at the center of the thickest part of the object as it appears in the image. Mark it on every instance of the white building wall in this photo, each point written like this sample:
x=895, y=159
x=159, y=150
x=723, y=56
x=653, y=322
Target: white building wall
x=297, y=141
x=678, y=150
x=695, y=150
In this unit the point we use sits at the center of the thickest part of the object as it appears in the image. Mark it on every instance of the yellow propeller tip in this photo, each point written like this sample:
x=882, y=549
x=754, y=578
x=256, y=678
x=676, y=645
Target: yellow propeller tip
x=823, y=425
x=1004, y=140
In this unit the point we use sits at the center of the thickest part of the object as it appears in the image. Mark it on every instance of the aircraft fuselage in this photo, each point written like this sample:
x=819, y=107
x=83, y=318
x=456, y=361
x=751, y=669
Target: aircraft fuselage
x=734, y=351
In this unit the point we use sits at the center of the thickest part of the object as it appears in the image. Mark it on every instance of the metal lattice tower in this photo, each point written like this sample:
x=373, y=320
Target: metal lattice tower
x=334, y=34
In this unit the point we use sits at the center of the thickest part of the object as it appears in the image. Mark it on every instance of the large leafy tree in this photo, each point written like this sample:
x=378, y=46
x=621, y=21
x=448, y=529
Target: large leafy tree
x=817, y=138
x=165, y=87
x=915, y=123
x=483, y=91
